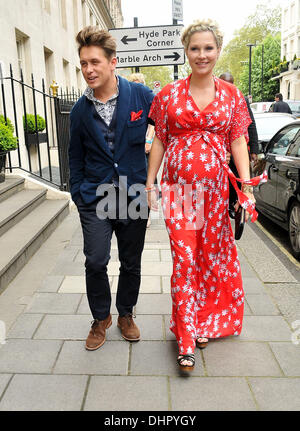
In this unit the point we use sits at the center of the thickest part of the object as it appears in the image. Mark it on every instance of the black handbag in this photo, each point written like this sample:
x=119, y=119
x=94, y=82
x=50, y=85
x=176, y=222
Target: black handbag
x=239, y=222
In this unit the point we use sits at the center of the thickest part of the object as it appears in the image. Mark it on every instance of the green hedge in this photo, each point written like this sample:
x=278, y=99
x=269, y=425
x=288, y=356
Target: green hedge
x=8, y=122
x=8, y=141
x=31, y=126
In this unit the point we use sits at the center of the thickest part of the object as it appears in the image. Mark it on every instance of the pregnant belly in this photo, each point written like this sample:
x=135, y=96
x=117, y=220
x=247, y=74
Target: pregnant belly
x=191, y=165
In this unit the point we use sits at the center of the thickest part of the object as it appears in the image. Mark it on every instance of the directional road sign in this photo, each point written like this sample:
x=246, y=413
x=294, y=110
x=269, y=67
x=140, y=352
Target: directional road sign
x=149, y=46
x=144, y=38
x=163, y=57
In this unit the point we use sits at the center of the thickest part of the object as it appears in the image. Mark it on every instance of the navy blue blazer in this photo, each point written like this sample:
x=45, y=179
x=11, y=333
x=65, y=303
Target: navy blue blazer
x=90, y=160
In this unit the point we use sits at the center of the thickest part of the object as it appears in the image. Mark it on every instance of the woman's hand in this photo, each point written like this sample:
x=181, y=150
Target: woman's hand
x=237, y=205
x=147, y=148
x=152, y=200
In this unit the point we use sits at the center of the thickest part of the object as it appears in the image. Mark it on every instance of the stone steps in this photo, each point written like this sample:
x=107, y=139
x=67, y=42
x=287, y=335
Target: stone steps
x=27, y=218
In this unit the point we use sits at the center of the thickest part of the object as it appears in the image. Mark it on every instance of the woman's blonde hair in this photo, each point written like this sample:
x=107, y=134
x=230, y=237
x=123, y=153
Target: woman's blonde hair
x=204, y=25
x=137, y=77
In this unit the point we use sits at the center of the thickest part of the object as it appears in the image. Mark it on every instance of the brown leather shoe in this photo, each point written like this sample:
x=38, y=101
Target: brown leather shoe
x=129, y=330
x=96, y=337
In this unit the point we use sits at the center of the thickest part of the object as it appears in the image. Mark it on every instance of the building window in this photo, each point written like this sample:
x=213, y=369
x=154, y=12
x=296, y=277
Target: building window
x=285, y=19
x=66, y=68
x=49, y=67
x=291, y=54
x=63, y=13
x=91, y=18
x=78, y=77
x=23, y=53
x=46, y=5
x=292, y=14
x=75, y=16
x=83, y=13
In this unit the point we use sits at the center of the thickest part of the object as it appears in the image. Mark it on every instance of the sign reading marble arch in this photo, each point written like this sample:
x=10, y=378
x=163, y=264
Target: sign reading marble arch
x=149, y=46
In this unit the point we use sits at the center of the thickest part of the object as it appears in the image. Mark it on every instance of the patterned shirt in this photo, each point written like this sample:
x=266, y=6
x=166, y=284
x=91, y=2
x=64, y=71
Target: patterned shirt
x=105, y=110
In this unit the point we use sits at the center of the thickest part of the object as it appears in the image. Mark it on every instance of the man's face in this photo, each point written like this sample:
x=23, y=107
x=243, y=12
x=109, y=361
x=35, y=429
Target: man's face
x=276, y=99
x=97, y=70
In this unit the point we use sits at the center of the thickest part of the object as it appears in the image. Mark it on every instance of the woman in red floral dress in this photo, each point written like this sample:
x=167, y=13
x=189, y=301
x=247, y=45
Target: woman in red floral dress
x=196, y=120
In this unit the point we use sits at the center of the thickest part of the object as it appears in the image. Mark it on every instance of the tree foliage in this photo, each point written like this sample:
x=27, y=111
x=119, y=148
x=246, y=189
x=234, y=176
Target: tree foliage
x=266, y=20
x=268, y=88
x=163, y=74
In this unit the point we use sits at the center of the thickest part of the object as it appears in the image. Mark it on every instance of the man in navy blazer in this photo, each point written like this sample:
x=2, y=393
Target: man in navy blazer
x=107, y=173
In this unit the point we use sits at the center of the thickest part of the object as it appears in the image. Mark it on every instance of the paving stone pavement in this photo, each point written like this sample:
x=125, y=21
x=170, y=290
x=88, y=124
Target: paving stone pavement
x=44, y=365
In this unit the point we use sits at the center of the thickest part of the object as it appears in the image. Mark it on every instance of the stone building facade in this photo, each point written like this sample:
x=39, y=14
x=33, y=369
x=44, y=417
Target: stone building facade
x=39, y=36
x=290, y=50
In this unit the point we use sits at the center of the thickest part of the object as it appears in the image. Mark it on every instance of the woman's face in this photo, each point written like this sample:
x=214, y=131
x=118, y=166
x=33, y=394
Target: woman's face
x=202, y=52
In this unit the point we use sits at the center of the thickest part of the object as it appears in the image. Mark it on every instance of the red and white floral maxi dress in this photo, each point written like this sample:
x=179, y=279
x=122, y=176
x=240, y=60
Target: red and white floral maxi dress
x=206, y=283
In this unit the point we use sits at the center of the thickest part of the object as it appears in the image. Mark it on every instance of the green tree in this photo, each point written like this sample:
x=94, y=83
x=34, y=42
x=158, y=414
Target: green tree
x=184, y=70
x=264, y=21
x=163, y=74
x=271, y=56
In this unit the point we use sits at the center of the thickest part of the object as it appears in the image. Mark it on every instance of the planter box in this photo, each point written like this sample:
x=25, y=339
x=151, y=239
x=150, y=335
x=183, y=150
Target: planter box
x=31, y=139
x=2, y=166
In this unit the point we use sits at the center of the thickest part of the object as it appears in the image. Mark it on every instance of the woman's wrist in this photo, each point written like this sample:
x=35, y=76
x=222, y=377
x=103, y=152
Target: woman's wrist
x=247, y=189
x=149, y=187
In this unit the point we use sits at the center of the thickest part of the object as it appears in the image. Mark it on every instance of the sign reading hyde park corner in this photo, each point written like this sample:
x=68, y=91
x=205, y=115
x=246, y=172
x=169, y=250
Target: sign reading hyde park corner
x=149, y=46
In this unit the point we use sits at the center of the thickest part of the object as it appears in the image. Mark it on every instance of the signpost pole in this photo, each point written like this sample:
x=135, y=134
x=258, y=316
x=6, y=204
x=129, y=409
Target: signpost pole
x=175, y=66
x=135, y=24
x=177, y=14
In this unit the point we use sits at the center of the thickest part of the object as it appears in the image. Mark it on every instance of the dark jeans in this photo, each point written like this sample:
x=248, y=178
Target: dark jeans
x=97, y=234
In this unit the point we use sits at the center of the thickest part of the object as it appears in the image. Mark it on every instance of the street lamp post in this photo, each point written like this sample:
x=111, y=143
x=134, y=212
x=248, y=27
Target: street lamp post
x=262, y=72
x=250, y=48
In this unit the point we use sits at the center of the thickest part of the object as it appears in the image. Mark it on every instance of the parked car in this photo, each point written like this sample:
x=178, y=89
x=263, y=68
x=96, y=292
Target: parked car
x=260, y=106
x=295, y=107
x=279, y=197
x=268, y=123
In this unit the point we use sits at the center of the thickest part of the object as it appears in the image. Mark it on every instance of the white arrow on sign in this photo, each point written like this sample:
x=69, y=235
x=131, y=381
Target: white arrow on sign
x=147, y=38
x=163, y=57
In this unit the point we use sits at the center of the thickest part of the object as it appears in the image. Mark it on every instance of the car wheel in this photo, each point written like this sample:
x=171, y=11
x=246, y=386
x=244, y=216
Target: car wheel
x=294, y=229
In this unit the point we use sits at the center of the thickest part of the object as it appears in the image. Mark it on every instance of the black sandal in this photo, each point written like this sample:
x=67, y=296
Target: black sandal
x=190, y=358
x=201, y=344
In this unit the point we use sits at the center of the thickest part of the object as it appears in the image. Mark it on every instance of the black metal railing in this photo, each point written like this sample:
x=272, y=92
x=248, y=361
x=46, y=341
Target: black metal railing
x=41, y=124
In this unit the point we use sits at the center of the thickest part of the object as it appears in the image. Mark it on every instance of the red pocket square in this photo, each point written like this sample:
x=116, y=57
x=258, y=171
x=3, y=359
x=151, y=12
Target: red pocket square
x=135, y=115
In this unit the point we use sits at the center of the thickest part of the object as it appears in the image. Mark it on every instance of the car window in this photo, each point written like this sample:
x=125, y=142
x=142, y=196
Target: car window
x=294, y=151
x=295, y=106
x=283, y=140
x=268, y=126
